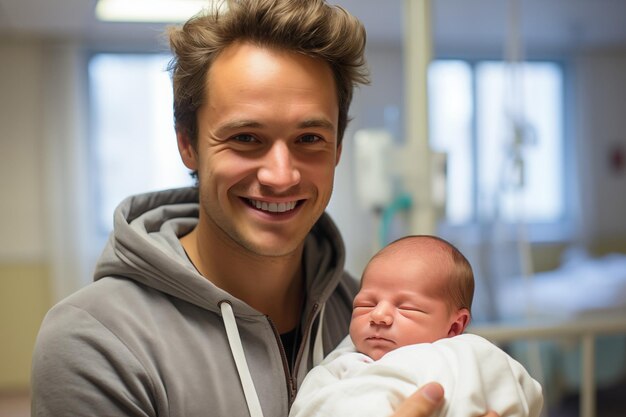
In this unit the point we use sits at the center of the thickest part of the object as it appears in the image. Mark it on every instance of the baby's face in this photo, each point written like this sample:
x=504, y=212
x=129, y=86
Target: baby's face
x=400, y=303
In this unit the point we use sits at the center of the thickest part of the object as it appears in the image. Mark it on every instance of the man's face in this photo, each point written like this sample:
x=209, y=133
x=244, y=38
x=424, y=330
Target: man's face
x=400, y=303
x=266, y=150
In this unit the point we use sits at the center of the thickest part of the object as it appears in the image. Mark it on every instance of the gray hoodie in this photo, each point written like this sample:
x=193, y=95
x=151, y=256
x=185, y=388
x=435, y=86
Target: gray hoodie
x=148, y=337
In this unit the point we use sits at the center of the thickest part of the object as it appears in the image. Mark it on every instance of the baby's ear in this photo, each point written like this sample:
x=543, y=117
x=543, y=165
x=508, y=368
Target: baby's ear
x=460, y=321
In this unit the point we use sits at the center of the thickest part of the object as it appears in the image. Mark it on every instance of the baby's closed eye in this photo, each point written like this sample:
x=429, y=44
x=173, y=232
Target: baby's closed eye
x=411, y=308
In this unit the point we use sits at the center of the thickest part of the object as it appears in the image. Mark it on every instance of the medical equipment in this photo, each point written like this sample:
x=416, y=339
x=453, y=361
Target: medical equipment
x=584, y=300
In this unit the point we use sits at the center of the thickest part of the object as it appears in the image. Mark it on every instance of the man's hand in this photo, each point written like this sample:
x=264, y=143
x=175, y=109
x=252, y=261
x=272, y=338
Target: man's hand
x=424, y=402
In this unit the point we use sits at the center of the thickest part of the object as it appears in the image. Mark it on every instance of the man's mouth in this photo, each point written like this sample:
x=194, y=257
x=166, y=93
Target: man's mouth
x=273, y=207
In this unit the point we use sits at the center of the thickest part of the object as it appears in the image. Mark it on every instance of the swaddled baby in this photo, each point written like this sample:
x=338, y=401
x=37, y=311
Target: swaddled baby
x=407, y=329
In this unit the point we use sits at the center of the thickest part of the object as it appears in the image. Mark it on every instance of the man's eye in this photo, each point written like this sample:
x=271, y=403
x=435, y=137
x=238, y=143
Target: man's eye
x=244, y=138
x=310, y=138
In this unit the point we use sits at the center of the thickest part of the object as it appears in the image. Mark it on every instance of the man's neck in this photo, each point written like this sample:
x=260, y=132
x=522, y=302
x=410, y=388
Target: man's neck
x=272, y=285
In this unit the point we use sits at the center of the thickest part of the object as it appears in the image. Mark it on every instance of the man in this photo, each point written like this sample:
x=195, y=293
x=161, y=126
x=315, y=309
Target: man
x=209, y=301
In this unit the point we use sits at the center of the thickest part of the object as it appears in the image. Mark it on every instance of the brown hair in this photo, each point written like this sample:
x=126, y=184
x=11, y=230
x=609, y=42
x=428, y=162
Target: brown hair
x=310, y=27
x=459, y=291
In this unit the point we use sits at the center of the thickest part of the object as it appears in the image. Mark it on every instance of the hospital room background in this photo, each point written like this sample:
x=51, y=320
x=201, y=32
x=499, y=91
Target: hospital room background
x=497, y=124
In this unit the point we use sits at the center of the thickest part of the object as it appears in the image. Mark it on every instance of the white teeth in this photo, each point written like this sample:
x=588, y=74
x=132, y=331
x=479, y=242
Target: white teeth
x=273, y=207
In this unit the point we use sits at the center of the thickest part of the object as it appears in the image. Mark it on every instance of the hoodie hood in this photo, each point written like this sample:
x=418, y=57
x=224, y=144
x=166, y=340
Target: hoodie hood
x=144, y=246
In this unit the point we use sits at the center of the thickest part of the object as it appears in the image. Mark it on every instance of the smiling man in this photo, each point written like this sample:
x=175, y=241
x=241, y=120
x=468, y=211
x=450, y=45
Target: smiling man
x=214, y=300
x=265, y=155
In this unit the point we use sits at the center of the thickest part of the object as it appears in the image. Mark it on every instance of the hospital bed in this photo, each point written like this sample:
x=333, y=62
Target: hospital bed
x=573, y=317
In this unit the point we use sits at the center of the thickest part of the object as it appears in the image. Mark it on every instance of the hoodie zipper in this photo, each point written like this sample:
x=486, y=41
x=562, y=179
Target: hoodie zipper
x=308, y=328
x=291, y=383
x=291, y=386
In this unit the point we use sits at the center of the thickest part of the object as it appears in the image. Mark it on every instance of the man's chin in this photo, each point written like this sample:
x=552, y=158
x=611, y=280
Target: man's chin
x=277, y=249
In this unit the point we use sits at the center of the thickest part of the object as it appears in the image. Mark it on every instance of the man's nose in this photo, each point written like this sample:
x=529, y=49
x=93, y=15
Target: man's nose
x=278, y=170
x=382, y=314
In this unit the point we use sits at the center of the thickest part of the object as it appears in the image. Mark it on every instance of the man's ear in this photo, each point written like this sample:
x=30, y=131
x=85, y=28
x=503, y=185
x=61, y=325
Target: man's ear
x=461, y=320
x=338, y=156
x=187, y=151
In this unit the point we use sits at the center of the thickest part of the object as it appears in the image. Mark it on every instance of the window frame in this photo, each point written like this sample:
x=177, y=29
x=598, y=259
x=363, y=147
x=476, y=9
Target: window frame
x=557, y=231
x=99, y=232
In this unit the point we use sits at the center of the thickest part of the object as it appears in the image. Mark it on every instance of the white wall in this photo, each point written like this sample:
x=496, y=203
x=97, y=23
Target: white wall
x=22, y=231
x=65, y=143
x=42, y=150
x=601, y=125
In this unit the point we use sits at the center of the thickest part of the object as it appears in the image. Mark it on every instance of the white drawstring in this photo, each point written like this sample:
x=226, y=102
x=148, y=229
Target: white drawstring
x=318, y=345
x=252, y=399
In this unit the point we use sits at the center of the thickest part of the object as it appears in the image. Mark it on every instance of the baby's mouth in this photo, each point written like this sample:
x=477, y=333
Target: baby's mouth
x=380, y=338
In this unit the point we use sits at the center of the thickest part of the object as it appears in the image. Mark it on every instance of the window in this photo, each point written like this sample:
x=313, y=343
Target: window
x=133, y=140
x=501, y=127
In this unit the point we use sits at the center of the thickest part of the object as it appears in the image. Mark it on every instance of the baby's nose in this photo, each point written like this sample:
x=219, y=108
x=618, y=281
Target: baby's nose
x=382, y=314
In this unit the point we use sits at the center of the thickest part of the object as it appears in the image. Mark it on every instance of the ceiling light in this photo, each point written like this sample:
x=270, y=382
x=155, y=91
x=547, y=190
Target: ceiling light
x=151, y=10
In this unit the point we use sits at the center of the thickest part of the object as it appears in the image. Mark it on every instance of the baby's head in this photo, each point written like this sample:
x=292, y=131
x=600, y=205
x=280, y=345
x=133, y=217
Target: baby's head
x=418, y=289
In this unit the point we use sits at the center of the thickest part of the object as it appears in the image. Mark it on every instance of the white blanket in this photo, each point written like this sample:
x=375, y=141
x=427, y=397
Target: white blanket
x=477, y=376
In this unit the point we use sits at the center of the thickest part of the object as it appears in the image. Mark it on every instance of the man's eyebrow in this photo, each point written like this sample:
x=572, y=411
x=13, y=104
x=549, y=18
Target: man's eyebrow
x=238, y=124
x=322, y=123
x=253, y=124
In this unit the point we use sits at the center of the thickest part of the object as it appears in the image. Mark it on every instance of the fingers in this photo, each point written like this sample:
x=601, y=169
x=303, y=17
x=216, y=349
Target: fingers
x=423, y=402
x=492, y=414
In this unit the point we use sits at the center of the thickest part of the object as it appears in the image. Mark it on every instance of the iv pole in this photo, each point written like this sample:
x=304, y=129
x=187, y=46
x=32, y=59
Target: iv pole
x=519, y=128
x=417, y=56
